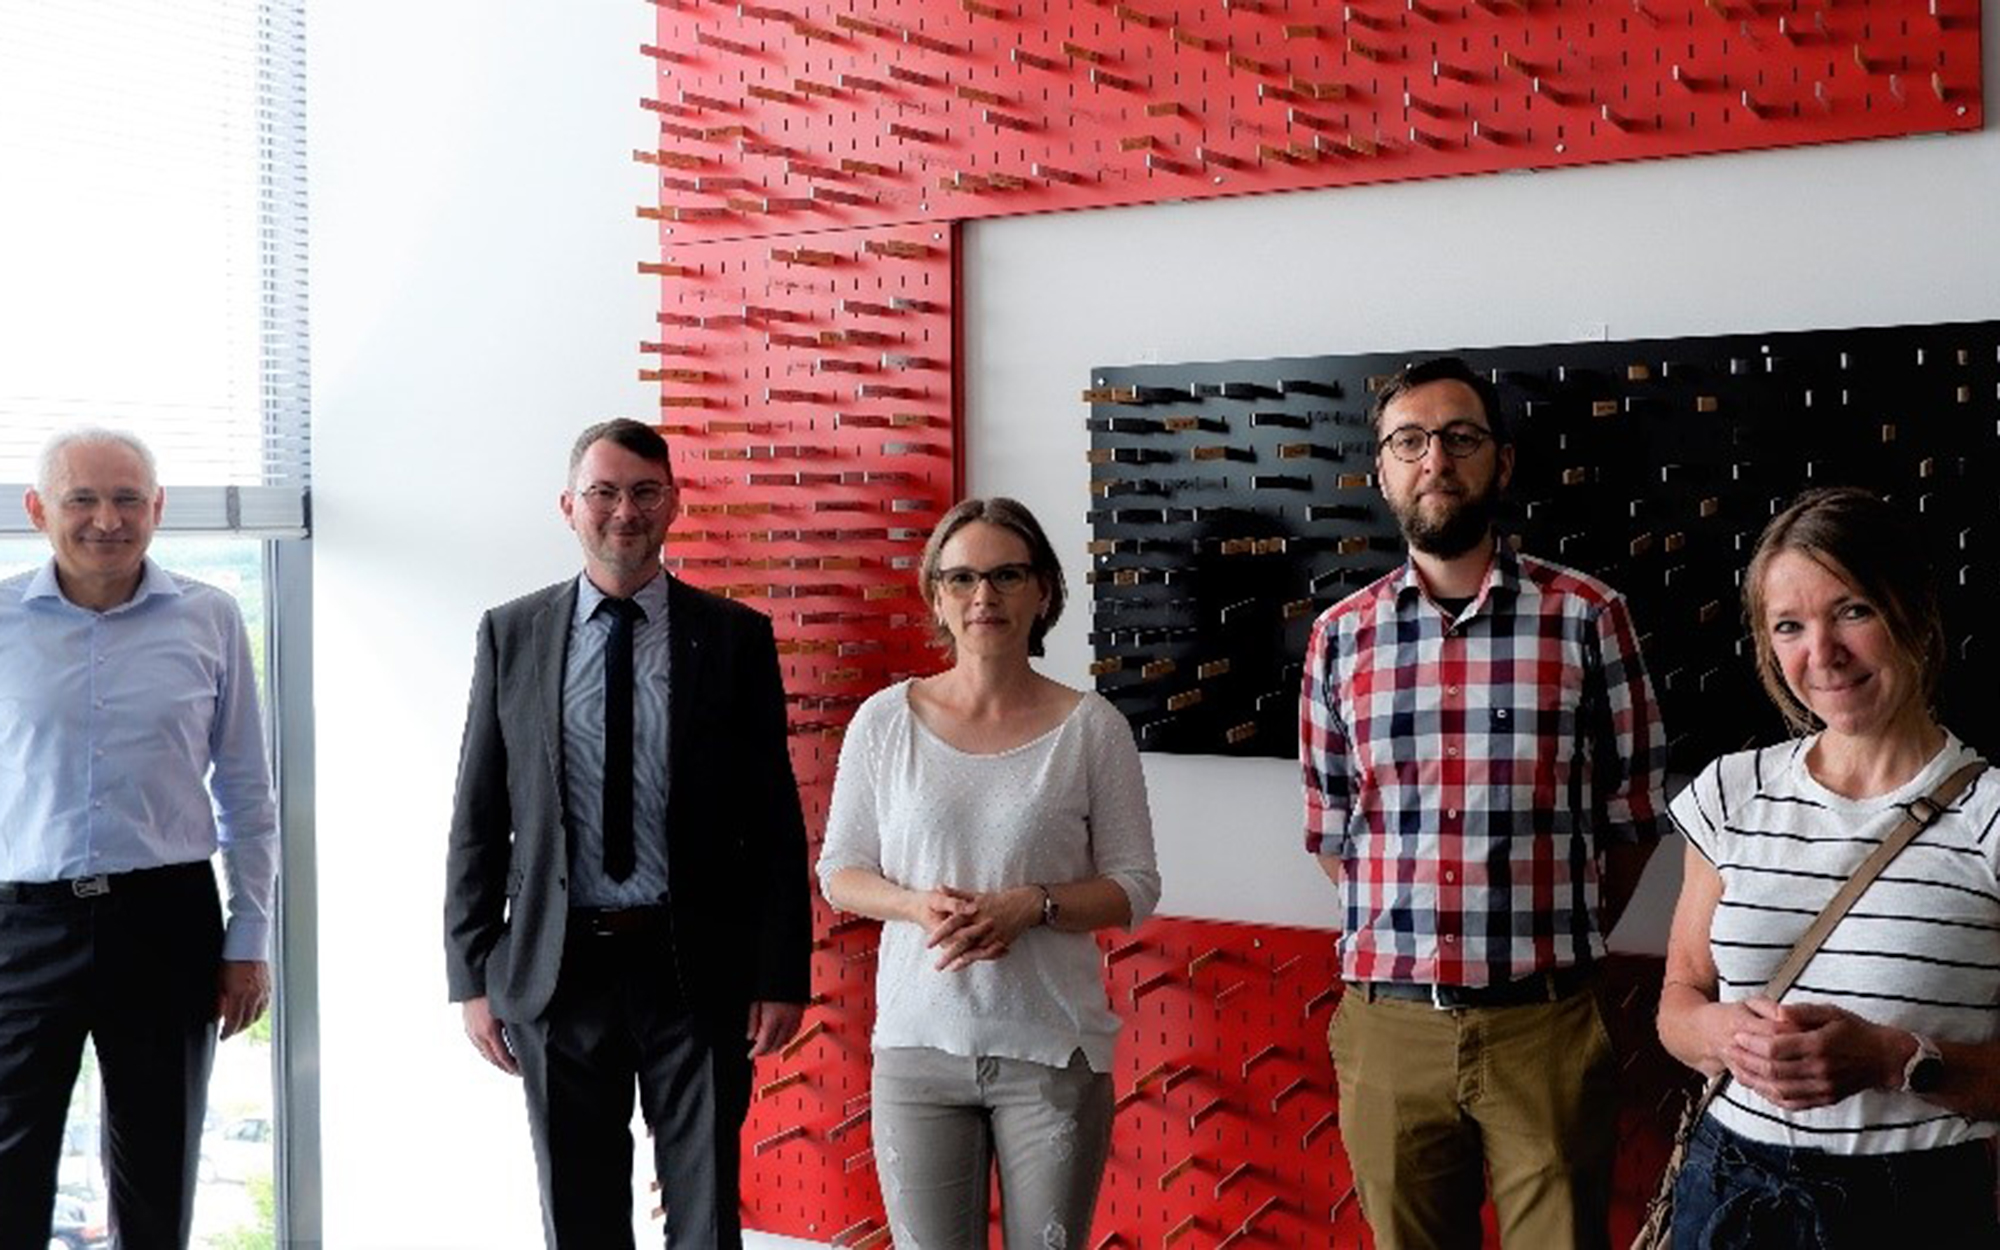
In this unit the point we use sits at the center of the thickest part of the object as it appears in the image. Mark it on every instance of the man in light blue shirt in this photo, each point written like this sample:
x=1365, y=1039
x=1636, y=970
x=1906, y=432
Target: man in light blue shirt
x=130, y=751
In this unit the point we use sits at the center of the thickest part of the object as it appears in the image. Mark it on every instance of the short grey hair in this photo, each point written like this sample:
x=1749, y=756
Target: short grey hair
x=92, y=436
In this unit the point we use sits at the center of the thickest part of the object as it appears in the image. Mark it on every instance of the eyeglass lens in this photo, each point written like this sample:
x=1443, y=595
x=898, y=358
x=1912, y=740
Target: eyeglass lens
x=1413, y=442
x=646, y=497
x=1006, y=578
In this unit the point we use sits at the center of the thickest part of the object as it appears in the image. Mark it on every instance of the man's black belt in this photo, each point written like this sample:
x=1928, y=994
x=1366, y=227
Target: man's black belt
x=98, y=885
x=1543, y=987
x=617, y=921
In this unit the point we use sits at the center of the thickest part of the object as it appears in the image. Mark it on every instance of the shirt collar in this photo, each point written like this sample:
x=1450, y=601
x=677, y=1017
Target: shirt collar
x=651, y=598
x=1503, y=577
x=153, y=580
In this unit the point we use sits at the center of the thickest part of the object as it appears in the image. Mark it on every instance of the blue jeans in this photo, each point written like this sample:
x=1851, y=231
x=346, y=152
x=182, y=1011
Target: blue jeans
x=1737, y=1194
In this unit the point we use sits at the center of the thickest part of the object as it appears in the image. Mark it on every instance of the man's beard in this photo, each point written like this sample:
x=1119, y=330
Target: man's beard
x=1457, y=530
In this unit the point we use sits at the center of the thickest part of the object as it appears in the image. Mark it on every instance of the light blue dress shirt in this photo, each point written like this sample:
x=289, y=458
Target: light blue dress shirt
x=130, y=739
x=583, y=750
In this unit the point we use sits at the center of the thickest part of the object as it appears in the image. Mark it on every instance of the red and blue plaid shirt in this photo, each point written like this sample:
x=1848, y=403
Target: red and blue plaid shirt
x=1465, y=772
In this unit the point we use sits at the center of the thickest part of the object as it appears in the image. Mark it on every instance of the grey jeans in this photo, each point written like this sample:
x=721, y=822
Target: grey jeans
x=941, y=1121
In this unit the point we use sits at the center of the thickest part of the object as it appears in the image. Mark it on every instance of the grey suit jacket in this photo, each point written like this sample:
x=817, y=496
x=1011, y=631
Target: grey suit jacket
x=740, y=910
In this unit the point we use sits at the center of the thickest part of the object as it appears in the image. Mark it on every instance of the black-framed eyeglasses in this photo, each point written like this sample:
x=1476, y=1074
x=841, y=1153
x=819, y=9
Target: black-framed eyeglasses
x=1008, y=579
x=647, y=497
x=1411, y=443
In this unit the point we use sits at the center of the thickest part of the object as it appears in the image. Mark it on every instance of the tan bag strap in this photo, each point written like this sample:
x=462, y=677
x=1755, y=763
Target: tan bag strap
x=1920, y=815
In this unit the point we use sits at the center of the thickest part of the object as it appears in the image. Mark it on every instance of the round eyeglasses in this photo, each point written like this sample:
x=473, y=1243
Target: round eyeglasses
x=1008, y=579
x=647, y=497
x=1411, y=443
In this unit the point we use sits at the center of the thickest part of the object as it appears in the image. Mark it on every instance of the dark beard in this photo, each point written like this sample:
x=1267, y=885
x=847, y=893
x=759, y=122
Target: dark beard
x=1458, y=531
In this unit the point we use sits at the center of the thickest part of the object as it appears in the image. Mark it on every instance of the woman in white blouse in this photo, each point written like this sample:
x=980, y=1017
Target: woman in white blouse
x=993, y=819
x=1862, y=1106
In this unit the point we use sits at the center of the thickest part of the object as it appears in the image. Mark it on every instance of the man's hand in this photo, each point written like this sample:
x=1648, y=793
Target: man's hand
x=1331, y=867
x=487, y=1035
x=772, y=1025
x=242, y=993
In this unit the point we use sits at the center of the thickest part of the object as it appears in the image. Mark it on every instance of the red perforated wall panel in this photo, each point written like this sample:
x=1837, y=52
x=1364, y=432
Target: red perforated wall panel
x=1225, y=1133
x=813, y=157
x=806, y=387
x=802, y=115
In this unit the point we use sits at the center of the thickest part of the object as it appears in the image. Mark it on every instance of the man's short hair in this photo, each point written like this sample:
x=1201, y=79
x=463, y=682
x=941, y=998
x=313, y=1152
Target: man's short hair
x=640, y=439
x=91, y=436
x=1443, y=369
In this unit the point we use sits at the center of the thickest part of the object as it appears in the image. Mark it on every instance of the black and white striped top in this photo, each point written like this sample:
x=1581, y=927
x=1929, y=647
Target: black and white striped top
x=1920, y=950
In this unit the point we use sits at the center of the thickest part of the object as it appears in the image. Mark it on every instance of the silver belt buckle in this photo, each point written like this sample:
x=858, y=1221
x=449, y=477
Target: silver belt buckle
x=91, y=887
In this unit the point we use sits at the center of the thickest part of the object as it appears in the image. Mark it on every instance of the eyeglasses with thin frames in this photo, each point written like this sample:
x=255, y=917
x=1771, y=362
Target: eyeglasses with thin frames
x=647, y=497
x=1008, y=579
x=1411, y=443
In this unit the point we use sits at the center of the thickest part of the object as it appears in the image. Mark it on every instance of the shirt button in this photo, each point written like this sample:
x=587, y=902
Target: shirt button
x=97, y=803
x=1451, y=939
x=1450, y=877
x=1452, y=752
x=1451, y=689
x=1450, y=813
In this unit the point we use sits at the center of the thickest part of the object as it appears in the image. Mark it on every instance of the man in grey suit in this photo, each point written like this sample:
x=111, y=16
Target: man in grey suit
x=626, y=894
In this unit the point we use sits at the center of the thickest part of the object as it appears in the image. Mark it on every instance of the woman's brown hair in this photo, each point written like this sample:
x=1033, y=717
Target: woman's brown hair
x=1010, y=515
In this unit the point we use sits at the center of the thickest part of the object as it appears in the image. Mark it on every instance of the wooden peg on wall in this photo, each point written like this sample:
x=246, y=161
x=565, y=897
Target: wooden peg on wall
x=1147, y=985
x=1294, y=1086
x=1188, y=1163
x=1317, y=1127
x=1206, y=1109
x=781, y=1139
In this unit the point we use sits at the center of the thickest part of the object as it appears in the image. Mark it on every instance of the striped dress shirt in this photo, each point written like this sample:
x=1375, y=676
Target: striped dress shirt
x=583, y=749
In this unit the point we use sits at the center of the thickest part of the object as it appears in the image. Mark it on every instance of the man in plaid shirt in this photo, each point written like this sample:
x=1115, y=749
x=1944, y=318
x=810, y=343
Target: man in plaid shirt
x=1483, y=759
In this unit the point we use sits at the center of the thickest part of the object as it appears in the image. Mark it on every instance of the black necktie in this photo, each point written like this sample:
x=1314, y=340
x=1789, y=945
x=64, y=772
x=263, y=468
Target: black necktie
x=618, y=738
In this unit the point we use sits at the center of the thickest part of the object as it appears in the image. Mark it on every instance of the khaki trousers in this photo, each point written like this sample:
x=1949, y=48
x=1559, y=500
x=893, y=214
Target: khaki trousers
x=1435, y=1104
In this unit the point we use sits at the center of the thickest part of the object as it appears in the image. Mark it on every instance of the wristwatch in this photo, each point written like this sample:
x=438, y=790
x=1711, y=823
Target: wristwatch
x=1051, y=909
x=1925, y=1070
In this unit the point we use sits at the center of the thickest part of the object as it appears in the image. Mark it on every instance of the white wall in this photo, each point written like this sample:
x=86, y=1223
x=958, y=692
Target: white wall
x=1856, y=234
x=475, y=303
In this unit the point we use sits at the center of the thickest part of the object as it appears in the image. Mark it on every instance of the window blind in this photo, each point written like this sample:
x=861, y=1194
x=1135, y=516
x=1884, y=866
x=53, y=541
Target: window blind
x=153, y=248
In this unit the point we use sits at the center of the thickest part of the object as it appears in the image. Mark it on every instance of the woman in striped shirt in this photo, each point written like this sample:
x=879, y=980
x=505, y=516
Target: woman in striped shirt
x=1863, y=1106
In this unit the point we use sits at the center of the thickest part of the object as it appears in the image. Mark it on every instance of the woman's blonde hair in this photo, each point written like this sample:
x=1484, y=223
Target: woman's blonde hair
x=1874, y=547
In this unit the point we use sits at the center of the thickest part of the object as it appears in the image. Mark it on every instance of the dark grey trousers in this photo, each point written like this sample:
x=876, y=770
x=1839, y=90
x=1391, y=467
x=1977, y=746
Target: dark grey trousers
x=136, y=971
x=616, y=1024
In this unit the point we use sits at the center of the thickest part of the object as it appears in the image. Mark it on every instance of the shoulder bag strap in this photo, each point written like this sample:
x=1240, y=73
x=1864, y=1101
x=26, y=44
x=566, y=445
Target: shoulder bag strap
x=1921, y=814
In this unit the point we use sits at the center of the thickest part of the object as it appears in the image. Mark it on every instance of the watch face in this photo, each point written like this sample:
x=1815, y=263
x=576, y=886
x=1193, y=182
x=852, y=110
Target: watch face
x=1926, y=1074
